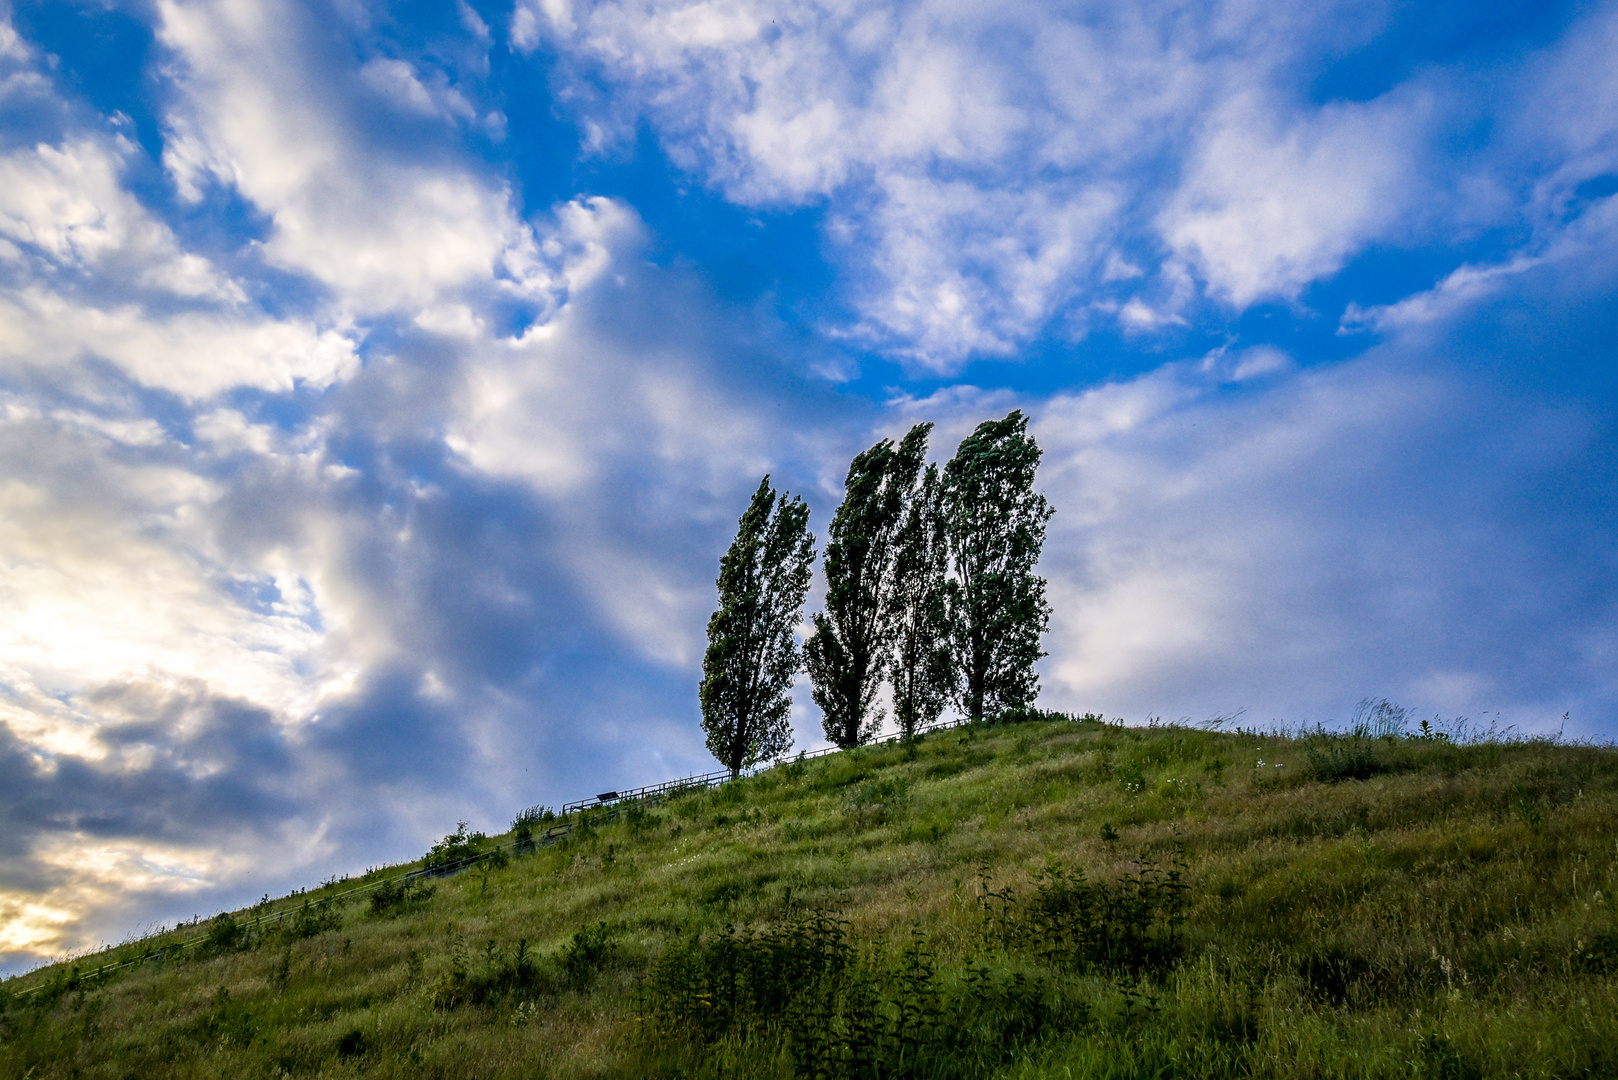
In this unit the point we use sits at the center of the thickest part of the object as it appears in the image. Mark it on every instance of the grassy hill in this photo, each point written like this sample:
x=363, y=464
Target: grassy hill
x=1046, y=899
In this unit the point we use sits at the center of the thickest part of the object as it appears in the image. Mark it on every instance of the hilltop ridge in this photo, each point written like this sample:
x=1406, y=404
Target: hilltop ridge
x=1048, y=898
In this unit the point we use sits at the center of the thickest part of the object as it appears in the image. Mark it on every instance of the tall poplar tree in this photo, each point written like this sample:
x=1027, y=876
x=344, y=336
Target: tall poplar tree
x=922, y=670
x=995, y=604
x=752, y=654
x=848, y=653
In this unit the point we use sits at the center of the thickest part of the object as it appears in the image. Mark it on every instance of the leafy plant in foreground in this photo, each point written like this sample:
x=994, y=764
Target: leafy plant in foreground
x=588, y=952
x=524, y=825
x=497, y=974
x=394, y=897
x=1332, y=758
x=1129, y=927
x=840, y=1012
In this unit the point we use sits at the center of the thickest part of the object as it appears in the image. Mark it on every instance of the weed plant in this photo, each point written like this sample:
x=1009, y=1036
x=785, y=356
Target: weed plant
x=1047, y=897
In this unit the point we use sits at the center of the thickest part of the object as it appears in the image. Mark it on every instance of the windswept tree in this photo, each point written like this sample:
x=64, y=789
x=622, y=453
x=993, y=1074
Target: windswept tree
x=995, y=605
x=922, y=670
x=847, y=655
x=752, y=654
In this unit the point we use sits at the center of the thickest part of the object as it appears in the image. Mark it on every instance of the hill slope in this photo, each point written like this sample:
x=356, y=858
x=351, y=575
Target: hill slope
x=1050, y=899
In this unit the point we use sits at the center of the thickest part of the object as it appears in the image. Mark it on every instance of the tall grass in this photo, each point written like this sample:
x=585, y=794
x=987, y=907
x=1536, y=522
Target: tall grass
x=1046, y=898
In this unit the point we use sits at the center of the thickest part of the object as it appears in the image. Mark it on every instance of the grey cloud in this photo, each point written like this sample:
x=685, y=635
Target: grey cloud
x=179, y=763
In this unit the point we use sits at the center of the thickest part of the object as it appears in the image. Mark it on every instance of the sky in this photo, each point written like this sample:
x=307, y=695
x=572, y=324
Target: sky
x=380, y=383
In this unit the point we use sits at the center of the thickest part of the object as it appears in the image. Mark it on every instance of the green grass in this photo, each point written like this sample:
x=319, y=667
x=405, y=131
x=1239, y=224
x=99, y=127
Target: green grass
x=1358, y=907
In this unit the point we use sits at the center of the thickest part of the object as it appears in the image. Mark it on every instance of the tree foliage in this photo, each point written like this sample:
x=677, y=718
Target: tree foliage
x=995, y=604
x=922, y=669
x=848, y=653
x=752, y=654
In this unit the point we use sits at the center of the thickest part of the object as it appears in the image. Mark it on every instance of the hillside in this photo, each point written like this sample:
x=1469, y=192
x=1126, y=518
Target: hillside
x=1046, y=899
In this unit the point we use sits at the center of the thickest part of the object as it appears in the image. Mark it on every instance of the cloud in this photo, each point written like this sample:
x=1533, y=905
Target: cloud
x=194, y=354
x=151, y=683
x=1411, y=523
x=1562, y=113
x=92, y=275
x=1013, y=258
x=985, y=169
x=970, y=159
x=982, y=172
x=1462, y=289
x=261, y=109
x=115, y=569
x=66, y=206
x=635, y=414
x=1270, y=206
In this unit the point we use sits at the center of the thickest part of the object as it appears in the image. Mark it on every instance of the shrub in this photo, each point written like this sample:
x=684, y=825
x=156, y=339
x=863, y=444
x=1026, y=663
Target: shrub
x=392, y=897
x=1130, y=927
x=309, y=920
x=526, y=822
x=841, y=1012
x=588, y=952
x=498, y=975
x=455, y=851
x=353, y=1044
x=1331, y=758
x=1025, y=714
x=225, y=934
x=227, y=1023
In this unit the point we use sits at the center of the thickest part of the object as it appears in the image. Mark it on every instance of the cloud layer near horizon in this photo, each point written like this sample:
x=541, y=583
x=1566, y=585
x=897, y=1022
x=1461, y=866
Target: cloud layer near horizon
x=377, y=395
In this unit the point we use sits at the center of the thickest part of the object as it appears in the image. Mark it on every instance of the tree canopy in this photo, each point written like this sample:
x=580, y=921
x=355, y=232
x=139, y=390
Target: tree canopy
x=752, y=653
x=849, y=652
x=994, y=529
x=922, y=668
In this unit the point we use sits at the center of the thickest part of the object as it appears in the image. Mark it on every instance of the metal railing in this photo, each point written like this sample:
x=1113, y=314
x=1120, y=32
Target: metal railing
x=701, y=781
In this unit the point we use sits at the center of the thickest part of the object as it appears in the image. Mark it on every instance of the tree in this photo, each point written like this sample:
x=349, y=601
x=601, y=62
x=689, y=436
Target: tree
x=922, y=668
x=995, y=605
x=848, y=653
x=752, y=655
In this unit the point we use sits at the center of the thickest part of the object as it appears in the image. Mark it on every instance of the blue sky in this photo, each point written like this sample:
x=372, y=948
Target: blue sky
x=380, y=383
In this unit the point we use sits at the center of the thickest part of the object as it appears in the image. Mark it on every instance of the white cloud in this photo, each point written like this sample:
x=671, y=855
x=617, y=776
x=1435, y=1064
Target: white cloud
x=1012, y=259
x=1461, y=289
x=989, y=171
x=1271, y=204
x=195, y=354
x=114, y=575
x=65, y=205
x=257, y=110
x=1564, y=109
x=156, y=660
x=971, y=156
x=982, y=164
x=95, y=275
x=399, y=83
